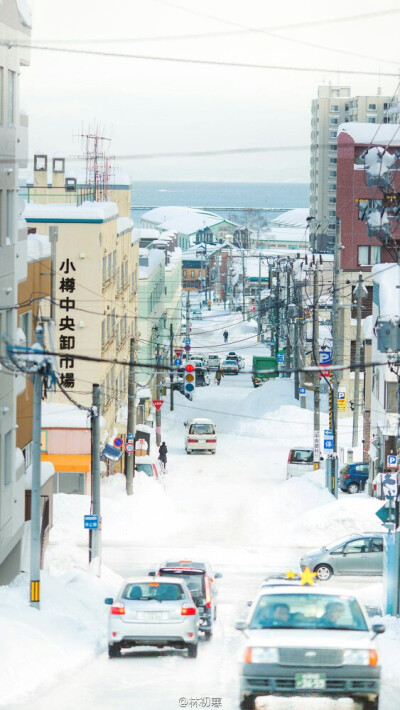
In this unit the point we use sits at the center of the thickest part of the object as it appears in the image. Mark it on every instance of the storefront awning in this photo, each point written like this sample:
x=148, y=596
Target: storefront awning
x=111, y=452
x=71, y=463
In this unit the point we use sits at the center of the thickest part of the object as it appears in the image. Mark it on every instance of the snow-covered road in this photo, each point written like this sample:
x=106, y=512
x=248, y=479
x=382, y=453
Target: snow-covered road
x=235, y=508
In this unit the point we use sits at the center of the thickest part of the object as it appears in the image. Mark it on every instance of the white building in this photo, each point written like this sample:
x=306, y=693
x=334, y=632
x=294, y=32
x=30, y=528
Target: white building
x=334, y=106
x=14, y=25
x=287, y=231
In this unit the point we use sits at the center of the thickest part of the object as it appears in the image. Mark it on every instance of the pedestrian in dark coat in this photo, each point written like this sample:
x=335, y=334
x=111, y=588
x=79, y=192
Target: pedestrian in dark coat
x=163, y=453
x=219, y=375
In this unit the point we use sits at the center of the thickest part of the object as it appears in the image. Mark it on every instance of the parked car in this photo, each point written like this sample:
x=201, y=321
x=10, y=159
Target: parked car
x=300, y=461
x=359, y=553
x=199, y=585
x=202, y=377
x=230, y=367
x=241, y=362
x=213, y=362
x=149, y=465
x=150, y=612
x=303, y=641
x=200, y=435
x=196, y=315
x=353, y=477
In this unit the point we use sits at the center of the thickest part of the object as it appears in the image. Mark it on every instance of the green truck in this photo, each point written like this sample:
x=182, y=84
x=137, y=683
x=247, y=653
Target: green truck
x=265, y=368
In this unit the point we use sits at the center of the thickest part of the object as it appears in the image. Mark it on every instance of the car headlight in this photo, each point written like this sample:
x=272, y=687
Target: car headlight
x=258, y=654
x=357, y=657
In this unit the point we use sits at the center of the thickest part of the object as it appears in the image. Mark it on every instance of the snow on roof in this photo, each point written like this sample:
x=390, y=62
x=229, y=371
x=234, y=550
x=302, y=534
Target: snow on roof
x=46, y=472
x=64, y=416
x=284, y=234
x=155, y=258
x=292, y=218
x=25, y=13
x=388, y=278
x=161, y=214
x=124, y=224
x=39, y=247
x=191, y=222
x=371, y=133
x=87, y=211
x=143, y=233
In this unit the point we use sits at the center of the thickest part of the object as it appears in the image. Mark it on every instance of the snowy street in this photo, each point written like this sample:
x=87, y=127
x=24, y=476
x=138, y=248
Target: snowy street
x=235, y=509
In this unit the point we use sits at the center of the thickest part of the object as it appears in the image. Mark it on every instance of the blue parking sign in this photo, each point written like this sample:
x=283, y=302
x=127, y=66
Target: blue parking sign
x=302, y=390
x=324, y=357
x=391, y=461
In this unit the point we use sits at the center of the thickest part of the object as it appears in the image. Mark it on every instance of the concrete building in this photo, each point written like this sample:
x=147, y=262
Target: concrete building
x=334, y=106
x=15, y=25
x=360, y=252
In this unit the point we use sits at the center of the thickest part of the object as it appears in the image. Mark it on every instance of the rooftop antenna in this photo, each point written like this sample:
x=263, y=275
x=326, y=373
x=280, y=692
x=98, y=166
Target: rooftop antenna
x=99, y=164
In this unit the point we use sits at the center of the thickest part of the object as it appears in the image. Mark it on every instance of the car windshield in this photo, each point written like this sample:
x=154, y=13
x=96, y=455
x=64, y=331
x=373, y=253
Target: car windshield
x=201, y=429
x=308, y=611
x=146, y=467
x=301, y=456
x=194, y=580
x=159, y=591
x=229, y=362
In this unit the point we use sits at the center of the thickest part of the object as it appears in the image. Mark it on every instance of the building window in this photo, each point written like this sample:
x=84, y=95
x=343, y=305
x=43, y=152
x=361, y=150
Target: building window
x=8, y=458
x=371, y=107
x=368, y=255
x=332, y=186
x=371, y=120
x=333, y=161
x=332, y=173
x=11, y=98
x=184, y=273
x=334, y=108
x=25, y=323
x=332, y=134
x=192, y=273
x=334, y=121
x=332, y=200
x=332, y=213
x=333, y=147
x=390, y=404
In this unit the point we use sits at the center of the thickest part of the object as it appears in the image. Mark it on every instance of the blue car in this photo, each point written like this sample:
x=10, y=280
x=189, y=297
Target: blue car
x=353, y=477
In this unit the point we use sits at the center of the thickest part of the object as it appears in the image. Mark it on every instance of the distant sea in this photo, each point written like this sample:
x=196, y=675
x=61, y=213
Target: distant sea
x=218, y=195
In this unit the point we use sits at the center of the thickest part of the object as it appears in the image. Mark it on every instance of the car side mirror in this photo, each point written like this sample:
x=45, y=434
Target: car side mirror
x=218, y=575
x=152, y=573
x=108, y=600
x=378, y=629
x=185, y=423
x=241, y=625
x=249, y=603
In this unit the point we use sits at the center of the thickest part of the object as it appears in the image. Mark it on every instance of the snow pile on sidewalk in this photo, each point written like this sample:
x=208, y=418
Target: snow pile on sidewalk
x=67, y=632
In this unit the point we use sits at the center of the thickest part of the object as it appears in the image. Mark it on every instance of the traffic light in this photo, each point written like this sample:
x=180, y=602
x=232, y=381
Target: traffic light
x=189, y=380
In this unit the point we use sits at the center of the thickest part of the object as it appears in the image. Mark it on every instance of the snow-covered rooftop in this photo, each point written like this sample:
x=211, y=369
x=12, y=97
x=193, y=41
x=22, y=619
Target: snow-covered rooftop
x=155, y=257
x=292, y=218
x=124, y=224
x=161, y=214
x=192, y=221
x=143, y=233
x=86, y=212
x=371, y=133
x=38, y=247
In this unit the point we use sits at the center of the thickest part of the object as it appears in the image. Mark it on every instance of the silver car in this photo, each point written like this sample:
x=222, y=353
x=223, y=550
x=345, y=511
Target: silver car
x=150, y=612
x=358, y=554
x=303, y=641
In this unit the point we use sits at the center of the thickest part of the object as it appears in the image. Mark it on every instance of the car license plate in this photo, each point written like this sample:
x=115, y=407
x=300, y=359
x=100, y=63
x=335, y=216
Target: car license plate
x=310, y=681
x=152, y=615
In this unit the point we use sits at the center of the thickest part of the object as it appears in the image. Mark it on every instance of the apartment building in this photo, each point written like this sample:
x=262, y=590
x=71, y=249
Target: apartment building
x=14, y=25
x=334, y=106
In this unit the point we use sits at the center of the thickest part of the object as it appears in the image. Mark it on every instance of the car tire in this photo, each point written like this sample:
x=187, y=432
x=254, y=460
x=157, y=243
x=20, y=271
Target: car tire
x=114, y=650
x=188, y=452
x=191, y=650
x=213, y=452
x=247, y=703
x=324, y=572
x=208, y=634
x=371, y=704
x=353, y=488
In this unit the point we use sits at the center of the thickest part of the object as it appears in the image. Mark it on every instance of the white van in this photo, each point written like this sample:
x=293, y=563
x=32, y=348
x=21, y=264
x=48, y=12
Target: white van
x=200, y=435
x=300, y=461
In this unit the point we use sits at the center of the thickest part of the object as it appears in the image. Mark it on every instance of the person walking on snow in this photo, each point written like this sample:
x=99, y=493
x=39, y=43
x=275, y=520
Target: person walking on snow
x=162, y=451
x=219, y=375
x=225, y=334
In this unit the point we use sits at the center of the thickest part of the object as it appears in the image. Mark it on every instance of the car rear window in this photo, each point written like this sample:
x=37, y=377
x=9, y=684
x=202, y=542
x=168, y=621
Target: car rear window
x=186, y=563
x=146, y=467
x=308, y=611
x=194, y=579
x=301, y=456
x=201, y=429
x=160, y=591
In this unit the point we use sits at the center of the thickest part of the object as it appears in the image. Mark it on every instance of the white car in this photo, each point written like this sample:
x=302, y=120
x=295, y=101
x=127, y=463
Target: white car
x=230, y=367
x=304, y=641
x=153, y=612
x=200, y=435
x=213, y=362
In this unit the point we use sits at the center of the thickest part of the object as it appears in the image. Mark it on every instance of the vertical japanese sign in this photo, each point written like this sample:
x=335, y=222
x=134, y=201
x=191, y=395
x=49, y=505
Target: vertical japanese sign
x=66, y=324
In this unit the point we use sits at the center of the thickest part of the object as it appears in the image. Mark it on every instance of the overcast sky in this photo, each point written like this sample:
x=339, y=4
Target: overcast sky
x=158, y=106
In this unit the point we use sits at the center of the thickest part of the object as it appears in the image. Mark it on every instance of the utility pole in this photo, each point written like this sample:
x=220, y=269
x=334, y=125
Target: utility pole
x=217, y=277
x=187, y=313
x=158, y=385
x=336, y=335
x=259, y=300
x=244, y=285
x=277, y=295
x=95, y=535
x=171, y=362
x=288, y=347
x=131, y=423
x=36, y=482
x=356, y=412
x=315, y=348
x=230, y=281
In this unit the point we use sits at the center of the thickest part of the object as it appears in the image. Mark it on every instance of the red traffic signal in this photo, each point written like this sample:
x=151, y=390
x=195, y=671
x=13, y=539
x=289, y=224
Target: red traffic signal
x=189, y=368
